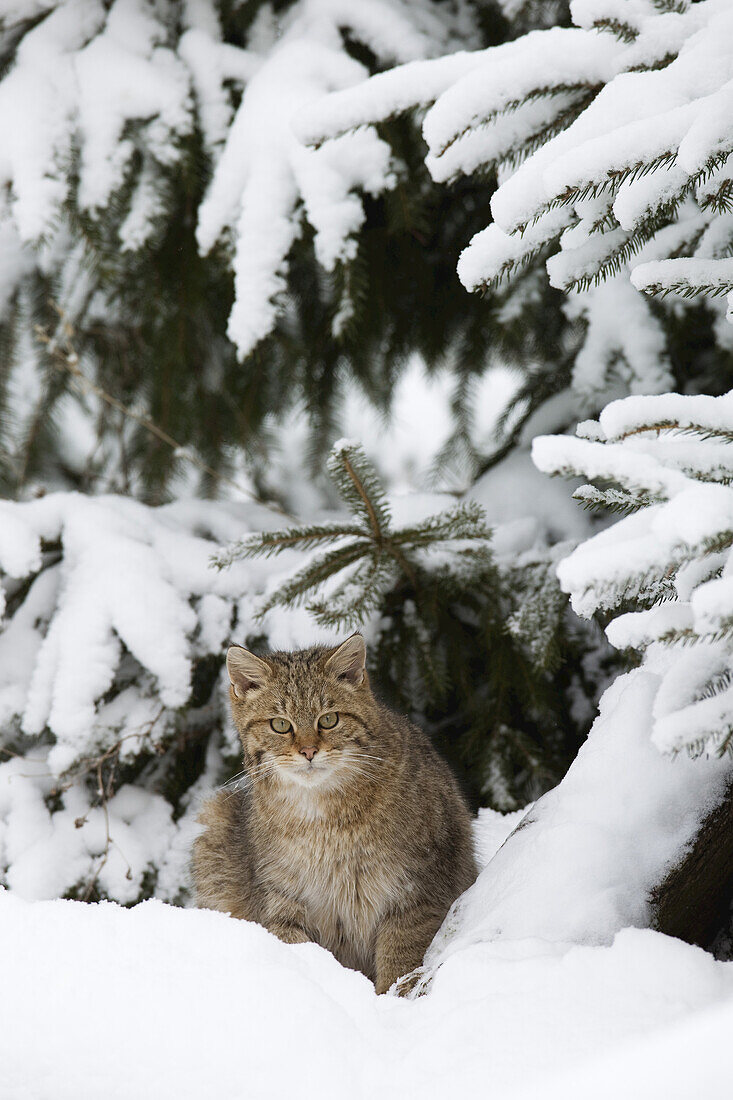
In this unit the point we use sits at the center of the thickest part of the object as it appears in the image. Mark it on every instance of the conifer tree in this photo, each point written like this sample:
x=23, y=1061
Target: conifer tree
x=610, y=138
x=180, y=270
x=213, y=270
x=660, y=576
x=483, y=653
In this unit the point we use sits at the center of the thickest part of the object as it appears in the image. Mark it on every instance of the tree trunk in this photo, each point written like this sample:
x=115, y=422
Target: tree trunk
x=693, y=901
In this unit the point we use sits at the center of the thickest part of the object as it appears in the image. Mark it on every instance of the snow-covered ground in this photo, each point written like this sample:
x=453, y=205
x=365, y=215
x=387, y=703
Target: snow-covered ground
x=537, y=985
x=104, y=1002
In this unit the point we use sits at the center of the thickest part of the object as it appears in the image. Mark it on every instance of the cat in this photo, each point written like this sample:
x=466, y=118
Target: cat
x=350, y=831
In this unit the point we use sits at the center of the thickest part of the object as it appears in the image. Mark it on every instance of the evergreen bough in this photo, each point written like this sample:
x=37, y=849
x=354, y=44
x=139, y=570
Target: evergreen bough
x=569, y=120
x=128, y=221
x=479, y=652
x=661, y=576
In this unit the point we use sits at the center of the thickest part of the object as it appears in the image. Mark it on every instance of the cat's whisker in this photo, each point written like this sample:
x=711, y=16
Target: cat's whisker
x=264, y=773
x=363, y=767
x=267, y=766
x=250, y=776
x=353, y=770
x=363, y=758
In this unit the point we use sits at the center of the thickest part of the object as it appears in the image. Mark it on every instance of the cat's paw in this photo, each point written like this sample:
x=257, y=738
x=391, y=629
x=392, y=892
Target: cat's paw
x=412, y=985
x=290, y=933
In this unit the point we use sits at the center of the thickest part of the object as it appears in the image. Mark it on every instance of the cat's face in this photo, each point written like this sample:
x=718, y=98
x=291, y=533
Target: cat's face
x=301, y=715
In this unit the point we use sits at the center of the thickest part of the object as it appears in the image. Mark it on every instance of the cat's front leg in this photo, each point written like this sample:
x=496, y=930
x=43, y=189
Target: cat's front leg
x=402, y=940
x=286, y=919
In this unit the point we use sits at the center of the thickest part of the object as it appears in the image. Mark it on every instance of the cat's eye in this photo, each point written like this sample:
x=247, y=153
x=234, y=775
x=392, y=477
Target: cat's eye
x=281, y=725
x=328, y=721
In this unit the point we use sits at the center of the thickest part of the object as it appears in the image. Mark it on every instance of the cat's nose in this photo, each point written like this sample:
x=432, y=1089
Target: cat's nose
x=309, y=751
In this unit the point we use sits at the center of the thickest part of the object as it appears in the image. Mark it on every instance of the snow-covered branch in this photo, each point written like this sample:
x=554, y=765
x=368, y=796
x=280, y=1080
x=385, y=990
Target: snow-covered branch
x=118, y=90
x=110, y=655
x=672, y=557
x=611, y=138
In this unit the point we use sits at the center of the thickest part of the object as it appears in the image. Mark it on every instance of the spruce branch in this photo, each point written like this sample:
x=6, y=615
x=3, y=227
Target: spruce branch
x=548, y=91
x=719, y=201
x=359, y=485
x=294, y=591
x=685, y=289
x=267, y=544
x=616, y=501
x=702, y=431
x=373, y=553
x=358, y=596
x=530, y=143
x=465, y=521
x=623, y=31
x=611, y=183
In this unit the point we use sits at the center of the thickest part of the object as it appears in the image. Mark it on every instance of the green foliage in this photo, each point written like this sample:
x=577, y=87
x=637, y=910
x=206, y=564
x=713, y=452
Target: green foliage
x=482, y=656
x=374, y=552
x=617, y=501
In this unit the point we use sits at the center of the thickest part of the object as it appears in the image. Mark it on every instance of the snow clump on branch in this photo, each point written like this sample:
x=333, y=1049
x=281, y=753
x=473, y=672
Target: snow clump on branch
x=611, y=138
x=124, y=87
x=669, y=464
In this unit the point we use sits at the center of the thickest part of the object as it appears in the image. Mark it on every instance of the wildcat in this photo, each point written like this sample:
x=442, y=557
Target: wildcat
x=350, y=830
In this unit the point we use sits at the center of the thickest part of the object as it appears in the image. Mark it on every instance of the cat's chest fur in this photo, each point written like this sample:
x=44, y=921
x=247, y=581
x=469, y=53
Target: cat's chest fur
x=344, y=879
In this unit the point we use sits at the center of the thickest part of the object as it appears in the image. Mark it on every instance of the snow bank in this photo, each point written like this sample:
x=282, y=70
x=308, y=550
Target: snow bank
x=658, y=1067
x=100, y=1001
x=580, y=866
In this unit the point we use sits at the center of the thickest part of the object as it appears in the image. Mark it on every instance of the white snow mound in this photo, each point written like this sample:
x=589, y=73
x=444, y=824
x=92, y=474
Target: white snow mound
x=102, y=1001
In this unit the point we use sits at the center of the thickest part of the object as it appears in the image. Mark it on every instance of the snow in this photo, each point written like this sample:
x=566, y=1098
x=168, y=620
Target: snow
x=130, y=604
x=620, y=417
x=263, y=170
x=266, y=180
x=658, y=1067
x=634, y=471
x=45, y=851
x=623, y=335
x=576, y=872
x=211, y=62
x=515, y=70
x=671, y=452
x=118, y=88
x=544, y=979
x=193, y=1003
x=678, y=274
x=535, y=974
x=121, y=75
x=662, y=100
x=382, y=96
x=492, y=253
x=96, y=657
x=526, y=509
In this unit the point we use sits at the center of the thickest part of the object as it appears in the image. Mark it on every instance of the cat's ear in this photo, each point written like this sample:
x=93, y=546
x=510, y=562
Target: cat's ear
x=349, y=660
x=245, y=670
